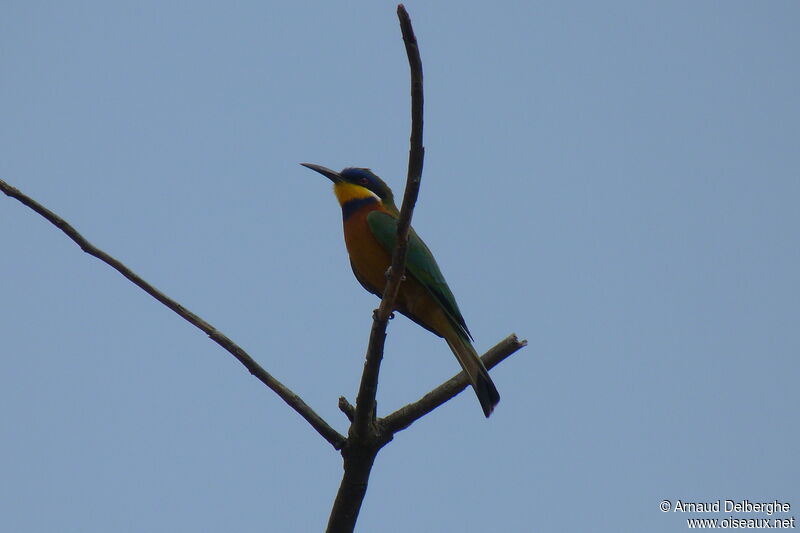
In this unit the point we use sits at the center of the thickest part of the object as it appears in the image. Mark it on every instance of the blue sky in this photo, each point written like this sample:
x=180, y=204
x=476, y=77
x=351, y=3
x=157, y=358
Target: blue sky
x=617, y=182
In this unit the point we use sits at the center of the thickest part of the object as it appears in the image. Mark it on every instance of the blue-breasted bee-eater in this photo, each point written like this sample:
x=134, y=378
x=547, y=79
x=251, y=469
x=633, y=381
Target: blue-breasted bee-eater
x=370, y=232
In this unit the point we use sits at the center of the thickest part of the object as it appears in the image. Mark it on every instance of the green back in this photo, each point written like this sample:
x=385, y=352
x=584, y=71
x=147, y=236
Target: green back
x=420, y=264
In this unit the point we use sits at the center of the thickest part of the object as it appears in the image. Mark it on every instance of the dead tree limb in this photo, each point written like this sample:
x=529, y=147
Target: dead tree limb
x=295, y=402
x=367, y=433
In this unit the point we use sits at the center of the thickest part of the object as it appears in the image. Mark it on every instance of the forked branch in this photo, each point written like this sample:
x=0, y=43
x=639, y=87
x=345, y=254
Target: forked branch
x=367, y=434
x=365, y=438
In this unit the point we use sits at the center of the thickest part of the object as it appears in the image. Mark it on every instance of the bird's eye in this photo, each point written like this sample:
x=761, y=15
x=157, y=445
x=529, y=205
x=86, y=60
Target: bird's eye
x=364, y=181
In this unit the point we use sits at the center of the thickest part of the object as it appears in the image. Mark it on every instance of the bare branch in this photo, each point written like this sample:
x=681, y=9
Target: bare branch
x=294, y=401
x=365, y=437
x=365, y=401
x=407, y=415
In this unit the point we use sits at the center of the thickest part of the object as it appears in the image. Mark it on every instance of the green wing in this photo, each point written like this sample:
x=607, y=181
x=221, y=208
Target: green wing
x=419, y=263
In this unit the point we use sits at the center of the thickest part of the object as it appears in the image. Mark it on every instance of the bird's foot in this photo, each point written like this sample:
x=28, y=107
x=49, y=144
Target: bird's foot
x=375, y=314
x=388, y=274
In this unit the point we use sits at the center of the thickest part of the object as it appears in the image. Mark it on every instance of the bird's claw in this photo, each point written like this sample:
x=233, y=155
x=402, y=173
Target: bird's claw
x=388, y=274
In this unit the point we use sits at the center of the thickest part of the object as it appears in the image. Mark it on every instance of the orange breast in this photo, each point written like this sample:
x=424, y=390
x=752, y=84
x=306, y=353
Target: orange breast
x=370, y=262
x=369, y=259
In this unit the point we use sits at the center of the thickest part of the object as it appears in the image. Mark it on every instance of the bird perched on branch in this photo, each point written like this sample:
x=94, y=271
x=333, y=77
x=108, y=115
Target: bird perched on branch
x=370, y=220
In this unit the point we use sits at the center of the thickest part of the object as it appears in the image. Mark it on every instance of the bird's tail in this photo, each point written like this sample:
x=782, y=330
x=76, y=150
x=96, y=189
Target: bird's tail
x=475, y=369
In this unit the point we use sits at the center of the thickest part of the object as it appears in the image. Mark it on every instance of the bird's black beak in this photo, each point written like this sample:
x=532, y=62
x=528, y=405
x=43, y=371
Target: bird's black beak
x=328, y=173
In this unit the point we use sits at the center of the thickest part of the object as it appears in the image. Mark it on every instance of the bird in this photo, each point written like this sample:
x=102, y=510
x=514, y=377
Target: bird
x=370, y=218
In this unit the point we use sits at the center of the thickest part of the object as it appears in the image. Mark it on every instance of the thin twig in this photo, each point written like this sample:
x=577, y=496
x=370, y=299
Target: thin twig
x=407, y=415
x=294, y=401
